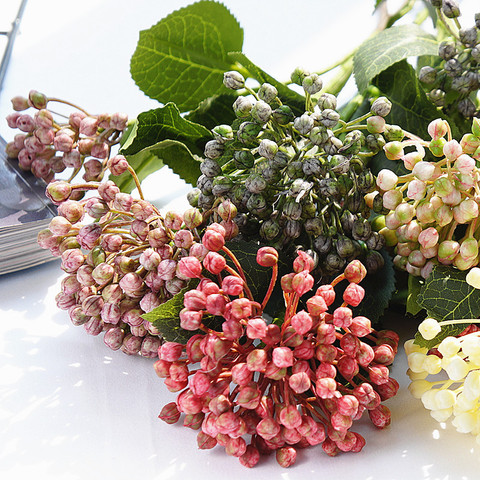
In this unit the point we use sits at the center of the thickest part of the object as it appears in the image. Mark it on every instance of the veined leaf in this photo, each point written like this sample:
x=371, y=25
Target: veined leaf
x=166, y=123
x=172, y=153
x=411, y=109
x=388, y=47
x=446, y=295
x=414, y=286
x=213, y=111
x=183, y=57
x=447, y=331
x=293, y=99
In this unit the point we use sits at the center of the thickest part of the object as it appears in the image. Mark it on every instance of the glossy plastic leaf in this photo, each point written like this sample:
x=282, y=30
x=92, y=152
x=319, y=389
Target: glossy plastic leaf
x=447, y=296
x=388, y=47
x=182, y=58
x=166, y=123
x=411, y=108
x=172, y=153
x=288, y=96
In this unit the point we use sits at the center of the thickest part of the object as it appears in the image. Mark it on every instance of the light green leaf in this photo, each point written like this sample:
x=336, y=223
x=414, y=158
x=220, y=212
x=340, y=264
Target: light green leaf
x=293, y=99
x=389, y=47
x=182, y=58
x=172, y=153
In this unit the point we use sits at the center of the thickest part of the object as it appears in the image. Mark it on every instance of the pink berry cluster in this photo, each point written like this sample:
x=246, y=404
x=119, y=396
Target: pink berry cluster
x=426, y=206
x=47, y=146
x=122, y=258
x=256, y=387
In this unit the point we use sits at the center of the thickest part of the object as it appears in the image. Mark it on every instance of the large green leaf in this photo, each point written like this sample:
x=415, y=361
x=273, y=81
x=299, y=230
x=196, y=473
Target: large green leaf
x=411, y=108
x=446, y=295
x=172, y=153
x=447, y=331
x=213, y=111
x=388, y=47
x=182, y=58
x=293, y=99
x=166, y=123
x=414, y=286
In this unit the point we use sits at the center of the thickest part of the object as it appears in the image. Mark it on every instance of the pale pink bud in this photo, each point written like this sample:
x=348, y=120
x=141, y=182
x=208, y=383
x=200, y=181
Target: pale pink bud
x=386, y=179
x=302, y=322
x=355, y=271
x=131, y=283
x=316, y=305
x=428, y=238
x=410, y=159
x=465, y=211
x=394, y=150
x=302, y=282
x=465, y=164
x=213, y=240
x=452, y=150
x=25, y=122
x=391, y=221
x=326, y=387
x=469, y=248
x=443, y=215
x=392, y=198
x=342, y=317
x=299, y=382
x=232, y=285
x=118, y=121
x=19, y=103
x=100, y=150
x=190, y=319
x=416, y=189
x=424, y=170
x=447, y=250
x=256, y=328
x=360, y=326
x=353, y=294
x=215, y=304
x=213, y=261
x=452, y=198
x=437, y=128
x=170, y=351
x=208, y=287
x=282, y=357
x=327, y=292
x=195, y=300
x=88, y=126
x=85, y=145
x=189, y=267
x=63, y=142
x=267, y=257
x=166, y=269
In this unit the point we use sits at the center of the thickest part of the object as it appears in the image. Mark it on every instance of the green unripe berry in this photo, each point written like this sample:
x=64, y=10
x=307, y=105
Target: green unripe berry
x=436, y=146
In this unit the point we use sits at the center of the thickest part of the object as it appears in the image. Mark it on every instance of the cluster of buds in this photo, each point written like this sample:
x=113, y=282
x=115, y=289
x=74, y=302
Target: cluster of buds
x=446, y=377
x=451, y=83
x=122, y=258
x=256, y=387
x=48, y=145
x=433, y=210
x=297, y=180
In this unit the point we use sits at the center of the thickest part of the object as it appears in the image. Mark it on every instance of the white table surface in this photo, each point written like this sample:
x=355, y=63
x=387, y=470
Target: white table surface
x=70, y=408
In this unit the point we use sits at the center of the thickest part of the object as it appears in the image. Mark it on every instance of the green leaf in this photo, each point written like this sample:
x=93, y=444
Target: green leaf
x=172, y=153
x=447, y=331
x=414, y=286
x=213, y=111
x=411, y=108
x=446, y=295
x=166, y=123
x=293, y=99
x=379, y=288
x=388, y=47
x=165, y=317
x=184, y=56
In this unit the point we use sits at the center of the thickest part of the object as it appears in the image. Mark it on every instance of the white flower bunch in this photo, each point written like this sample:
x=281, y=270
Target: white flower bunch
x=447, y=379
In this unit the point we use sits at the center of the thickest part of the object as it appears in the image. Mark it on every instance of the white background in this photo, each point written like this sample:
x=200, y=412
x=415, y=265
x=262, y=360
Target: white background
x=70, y=408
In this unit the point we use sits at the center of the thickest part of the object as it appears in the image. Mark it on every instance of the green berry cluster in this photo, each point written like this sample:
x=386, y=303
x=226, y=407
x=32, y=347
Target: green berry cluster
x=454, y=81
x=297, y=180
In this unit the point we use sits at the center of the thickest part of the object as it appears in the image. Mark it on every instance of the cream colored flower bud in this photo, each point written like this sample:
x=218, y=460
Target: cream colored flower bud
x=429, y=328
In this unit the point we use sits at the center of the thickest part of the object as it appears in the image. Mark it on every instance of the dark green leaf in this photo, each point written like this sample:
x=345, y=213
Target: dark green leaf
x=167, y=152
x=166, y=123
x=258, y=278
x=389, y=47
x=414, y=286
x=411, y=108
x=447, y=331
x=293, y=99
x=447, y=296
x=165, y=317
x=213, y=111
x=182, y=58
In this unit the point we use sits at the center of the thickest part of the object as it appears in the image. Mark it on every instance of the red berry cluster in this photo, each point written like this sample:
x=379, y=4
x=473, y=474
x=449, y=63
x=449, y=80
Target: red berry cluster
x=47, y=146
x=284, y=386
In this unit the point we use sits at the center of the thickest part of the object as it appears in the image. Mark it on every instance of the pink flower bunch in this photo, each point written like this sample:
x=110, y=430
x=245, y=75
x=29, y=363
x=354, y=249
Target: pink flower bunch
x=256, y=387
x=48, y=146
x=123, y=258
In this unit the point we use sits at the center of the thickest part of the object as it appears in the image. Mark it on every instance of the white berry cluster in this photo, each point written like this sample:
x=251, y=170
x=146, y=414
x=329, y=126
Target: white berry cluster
x=447, y=378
